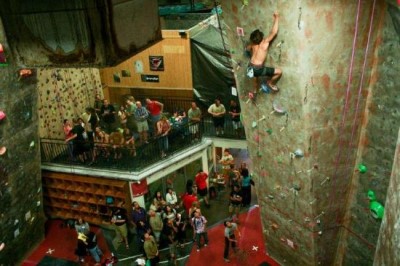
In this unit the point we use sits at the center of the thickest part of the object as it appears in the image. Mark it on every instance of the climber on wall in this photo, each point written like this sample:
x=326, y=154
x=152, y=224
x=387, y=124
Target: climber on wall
x=258, y=48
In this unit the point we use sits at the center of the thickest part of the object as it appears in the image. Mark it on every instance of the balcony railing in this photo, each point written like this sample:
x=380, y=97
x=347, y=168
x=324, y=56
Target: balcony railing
x=123, y=158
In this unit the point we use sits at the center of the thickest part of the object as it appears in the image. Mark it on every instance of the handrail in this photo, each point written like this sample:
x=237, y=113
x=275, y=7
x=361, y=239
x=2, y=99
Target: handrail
x=104, y=156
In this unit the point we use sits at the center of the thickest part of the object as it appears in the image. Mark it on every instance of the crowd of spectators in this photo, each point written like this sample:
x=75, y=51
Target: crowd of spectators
x=112, y=133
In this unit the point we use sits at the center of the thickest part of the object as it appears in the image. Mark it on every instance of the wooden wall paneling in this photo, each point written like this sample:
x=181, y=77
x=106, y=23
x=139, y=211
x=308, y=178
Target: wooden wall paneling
x=177, y=66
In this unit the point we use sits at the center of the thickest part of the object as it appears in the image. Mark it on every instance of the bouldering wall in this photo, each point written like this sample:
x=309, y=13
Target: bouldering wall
x=21, y=213
x=64, y=94
x=304, y=140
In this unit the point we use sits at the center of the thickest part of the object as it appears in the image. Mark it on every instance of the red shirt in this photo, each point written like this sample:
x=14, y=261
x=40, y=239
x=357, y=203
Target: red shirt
x=200, y=180
x=187, y=201
x=154, y=108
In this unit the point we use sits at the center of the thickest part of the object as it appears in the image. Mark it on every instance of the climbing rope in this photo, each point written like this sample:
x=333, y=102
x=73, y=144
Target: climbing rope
x=333, y=192
x=360, y=87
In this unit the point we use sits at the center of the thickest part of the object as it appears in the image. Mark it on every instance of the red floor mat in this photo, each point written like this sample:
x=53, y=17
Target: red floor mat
x=251, y=245
x=60, y=242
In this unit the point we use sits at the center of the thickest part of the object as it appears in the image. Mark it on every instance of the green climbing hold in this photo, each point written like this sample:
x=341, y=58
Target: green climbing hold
x=377, y=209
x=269, y=131
x=362, y=168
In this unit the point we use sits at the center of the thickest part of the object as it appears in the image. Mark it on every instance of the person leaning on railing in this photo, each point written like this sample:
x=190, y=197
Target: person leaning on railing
x=194, y=114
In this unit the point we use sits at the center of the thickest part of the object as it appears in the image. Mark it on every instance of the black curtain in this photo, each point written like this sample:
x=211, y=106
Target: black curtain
x=211, y=68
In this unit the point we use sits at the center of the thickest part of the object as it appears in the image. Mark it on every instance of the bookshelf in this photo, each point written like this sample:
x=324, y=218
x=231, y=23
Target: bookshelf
x=70, y=196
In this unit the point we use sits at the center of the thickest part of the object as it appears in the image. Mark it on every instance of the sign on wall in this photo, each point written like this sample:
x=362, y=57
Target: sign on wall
x=156, y=63
x=150, y=78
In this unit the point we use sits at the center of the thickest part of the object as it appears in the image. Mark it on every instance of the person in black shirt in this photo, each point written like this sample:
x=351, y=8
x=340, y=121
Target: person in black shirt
x=93, y=248
x=107, y=113
x=77, y=139
x=235, y=202
x=119, y=219
x=234, y=111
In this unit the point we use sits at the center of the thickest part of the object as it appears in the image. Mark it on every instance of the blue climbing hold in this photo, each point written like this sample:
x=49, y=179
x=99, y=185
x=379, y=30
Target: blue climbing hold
x=265, y=88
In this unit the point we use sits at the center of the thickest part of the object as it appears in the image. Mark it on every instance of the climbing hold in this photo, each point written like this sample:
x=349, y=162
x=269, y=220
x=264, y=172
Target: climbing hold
x=239, y=31
x=362, y=168
x=3, y=60
x=265, y=88
x=3, y=150
x=377, y=210
x=32, y=144
x=269, y=131
x=254, y=124
x=245, y=2
x=278, y=108
x=252, y=97
x=2, y=245
x=298, y=153
x=24, y=73
x=250, y=72
x=2, y=115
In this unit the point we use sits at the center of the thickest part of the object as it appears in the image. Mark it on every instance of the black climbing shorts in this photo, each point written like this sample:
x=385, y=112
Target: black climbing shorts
x=263, y=71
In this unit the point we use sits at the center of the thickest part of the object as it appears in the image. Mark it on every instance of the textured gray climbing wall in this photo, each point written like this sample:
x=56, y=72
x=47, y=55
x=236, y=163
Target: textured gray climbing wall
x=331, y=65
x=64, y=94
x=377, y=144
x=21, y=214
x=389, y=238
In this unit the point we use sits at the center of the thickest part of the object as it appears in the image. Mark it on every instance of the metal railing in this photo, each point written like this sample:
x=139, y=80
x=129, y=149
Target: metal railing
x=106, y=156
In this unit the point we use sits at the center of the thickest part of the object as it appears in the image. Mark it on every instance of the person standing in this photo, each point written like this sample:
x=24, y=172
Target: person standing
x=163, y=128
x=202, y=186
x=217, y=110
x=80, y=250
x=93, y=248
x=78, y=140
x=226, y=161
x=119, y=219
x=171, y=198
x=156, y=224
x=107, y=113
x=194, y=115
x=155, y=109
x=130, y=113
x=151, y=250
x=141, y=115
x=67, y=127
x=139, y=221
x=235, y=201
x=97, y=103
x=187, y=200
x=171, y=232
x=246, y=187
x=234, y=111
x=259, y=49
x=81, y=226
x=230, y=238
x=199, y=226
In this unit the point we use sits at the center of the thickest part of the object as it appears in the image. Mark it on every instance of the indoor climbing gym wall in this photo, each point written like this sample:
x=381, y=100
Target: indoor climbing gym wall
x=316, y=144
x=377, y=141
x=64, y=93
x=389, y=238
x=21, y=215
